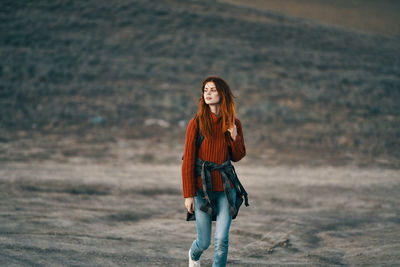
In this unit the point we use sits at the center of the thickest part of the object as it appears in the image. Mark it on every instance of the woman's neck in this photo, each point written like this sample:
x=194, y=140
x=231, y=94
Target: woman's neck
x=215, y=109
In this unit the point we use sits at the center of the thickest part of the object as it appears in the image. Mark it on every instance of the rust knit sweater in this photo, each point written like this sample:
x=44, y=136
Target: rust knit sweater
x=213, y=149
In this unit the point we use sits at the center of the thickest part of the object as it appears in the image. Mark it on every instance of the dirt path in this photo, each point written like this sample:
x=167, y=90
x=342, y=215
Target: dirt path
x=55, y=214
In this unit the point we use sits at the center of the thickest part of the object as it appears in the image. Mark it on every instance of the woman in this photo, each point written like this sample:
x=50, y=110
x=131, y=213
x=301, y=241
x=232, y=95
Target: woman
x=223, y=140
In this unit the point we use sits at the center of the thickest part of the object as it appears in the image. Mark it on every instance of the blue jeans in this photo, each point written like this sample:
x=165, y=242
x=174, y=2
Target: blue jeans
x=203, y=224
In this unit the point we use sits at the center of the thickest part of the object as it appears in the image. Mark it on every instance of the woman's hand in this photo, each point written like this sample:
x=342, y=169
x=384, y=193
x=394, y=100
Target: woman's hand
x=233, y=131
x=189, y=204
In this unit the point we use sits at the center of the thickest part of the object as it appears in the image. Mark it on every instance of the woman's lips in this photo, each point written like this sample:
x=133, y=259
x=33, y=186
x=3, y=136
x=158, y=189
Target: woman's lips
x=208, y=98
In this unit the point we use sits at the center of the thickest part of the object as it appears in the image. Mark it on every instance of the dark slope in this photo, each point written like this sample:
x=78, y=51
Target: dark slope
x=305, y=91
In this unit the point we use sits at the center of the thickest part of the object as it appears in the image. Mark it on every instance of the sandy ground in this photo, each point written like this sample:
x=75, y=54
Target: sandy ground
x=81, y=214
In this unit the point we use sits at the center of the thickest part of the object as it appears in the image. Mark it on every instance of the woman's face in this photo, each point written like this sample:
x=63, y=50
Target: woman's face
x=210, y=94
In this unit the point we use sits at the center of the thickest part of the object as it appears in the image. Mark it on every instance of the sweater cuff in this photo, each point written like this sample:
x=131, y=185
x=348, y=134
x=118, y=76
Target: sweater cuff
x=190, y=192
x=236, y=141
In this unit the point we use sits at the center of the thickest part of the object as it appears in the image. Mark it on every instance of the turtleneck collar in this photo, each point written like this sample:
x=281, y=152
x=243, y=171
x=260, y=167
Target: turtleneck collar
x=215, y=117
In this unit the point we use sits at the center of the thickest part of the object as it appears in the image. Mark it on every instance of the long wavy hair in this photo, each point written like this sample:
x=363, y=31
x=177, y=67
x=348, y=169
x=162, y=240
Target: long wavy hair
x=227, y=108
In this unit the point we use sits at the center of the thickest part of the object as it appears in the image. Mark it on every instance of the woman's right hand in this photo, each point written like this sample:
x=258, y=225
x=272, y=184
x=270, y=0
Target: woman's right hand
x=189, y=204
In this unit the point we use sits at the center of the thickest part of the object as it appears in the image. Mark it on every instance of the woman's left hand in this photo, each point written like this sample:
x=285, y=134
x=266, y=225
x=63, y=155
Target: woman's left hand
x=233, y=132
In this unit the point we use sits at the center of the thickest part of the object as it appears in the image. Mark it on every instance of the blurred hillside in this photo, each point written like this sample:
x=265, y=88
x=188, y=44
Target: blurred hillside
x=372, y=16
x=100, y=79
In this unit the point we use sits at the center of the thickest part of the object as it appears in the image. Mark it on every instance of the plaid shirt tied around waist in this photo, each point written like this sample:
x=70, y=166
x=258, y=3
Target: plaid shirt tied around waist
x=228, y=173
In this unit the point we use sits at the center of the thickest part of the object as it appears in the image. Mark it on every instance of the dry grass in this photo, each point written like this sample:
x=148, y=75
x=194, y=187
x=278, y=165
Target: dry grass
x=98, y=72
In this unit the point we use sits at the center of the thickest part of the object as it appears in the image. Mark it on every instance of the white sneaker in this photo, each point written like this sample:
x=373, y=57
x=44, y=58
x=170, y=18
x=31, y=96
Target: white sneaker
x=193, y=263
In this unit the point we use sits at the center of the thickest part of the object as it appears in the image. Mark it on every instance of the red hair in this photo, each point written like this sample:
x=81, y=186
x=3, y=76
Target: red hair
x=227, y=108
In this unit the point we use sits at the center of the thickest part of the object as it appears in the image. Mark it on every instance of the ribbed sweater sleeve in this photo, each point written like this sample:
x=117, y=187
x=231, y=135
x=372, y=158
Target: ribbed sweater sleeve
x=188, y=164
x=238, y=147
